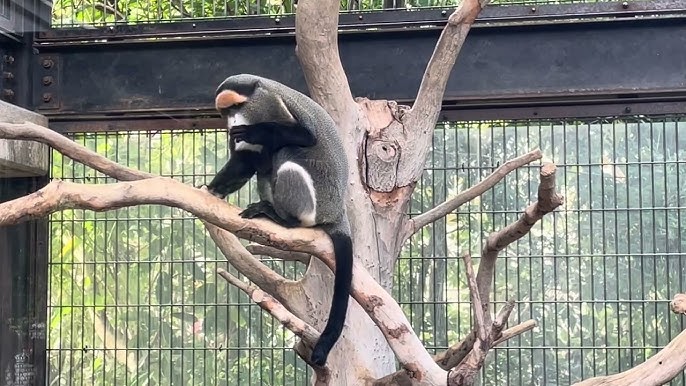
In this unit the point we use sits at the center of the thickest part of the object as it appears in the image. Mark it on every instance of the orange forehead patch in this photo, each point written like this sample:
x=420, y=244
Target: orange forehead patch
x=228, y=98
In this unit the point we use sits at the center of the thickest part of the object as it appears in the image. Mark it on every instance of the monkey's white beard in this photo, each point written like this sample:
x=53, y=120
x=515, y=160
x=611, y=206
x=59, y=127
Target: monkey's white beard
x=246, y=146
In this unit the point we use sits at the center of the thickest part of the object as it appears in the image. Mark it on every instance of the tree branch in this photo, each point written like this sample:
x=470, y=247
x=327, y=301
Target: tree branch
x=516, y=330
x=548, y=200
x=32, y=132
x=247, y=264
x=308, y=334
x=413, y=225
x=268, y=303
x=287, y=292
x=482, y=329
x=258, y=249
x=426, y=108
x=380, y=306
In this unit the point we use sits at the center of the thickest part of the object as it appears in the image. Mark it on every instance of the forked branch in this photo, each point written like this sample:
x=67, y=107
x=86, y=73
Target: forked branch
x=308, y=334
x=548, y=201
x=378, y=303
x=422, y=118
x=415, y=224
x=249, y=265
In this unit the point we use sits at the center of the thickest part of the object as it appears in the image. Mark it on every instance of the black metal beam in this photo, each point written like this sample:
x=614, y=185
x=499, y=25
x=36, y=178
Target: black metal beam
x=363, y=20
x=16, y=52
x=511, y=65
x=23, y=284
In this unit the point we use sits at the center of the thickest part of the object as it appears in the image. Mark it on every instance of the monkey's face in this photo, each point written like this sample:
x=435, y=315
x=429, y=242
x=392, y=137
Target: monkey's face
x=230, y=104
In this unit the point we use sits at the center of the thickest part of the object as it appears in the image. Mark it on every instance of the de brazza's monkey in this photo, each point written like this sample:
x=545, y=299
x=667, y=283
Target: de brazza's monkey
x=293, y=146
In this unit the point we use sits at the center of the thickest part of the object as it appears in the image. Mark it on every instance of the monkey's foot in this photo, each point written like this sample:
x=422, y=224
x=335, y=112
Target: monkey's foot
x=265, y=209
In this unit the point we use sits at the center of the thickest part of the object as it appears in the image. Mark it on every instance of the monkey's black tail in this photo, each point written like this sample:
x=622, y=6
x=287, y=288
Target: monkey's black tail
x=343, y=249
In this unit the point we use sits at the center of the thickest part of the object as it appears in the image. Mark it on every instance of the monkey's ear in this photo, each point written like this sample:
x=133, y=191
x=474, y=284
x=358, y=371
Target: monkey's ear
x=228, y=98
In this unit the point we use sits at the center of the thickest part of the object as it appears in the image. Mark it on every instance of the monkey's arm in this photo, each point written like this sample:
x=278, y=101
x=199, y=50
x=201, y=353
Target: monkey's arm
x=274, y=135
x=237, y=171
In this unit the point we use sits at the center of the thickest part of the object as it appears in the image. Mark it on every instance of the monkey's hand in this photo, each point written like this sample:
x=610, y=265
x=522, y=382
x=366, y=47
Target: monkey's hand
x=250, y=134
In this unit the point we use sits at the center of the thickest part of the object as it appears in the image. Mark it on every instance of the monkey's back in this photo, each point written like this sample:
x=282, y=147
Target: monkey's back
x=326, y=161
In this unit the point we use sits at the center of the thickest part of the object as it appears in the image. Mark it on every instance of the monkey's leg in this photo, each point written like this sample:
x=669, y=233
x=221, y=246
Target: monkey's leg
x=235, y=173
x=294, y=194
x=266, y=209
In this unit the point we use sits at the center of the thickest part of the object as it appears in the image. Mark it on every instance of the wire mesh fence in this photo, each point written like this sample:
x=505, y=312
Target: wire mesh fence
x=71, y=13
x=134, y=298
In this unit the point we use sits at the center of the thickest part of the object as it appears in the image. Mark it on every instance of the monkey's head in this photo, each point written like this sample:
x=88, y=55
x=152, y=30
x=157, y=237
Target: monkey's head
x=247, y=99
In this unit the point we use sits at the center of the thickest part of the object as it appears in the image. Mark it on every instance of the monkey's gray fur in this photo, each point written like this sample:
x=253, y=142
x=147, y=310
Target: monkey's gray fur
x=294, y=147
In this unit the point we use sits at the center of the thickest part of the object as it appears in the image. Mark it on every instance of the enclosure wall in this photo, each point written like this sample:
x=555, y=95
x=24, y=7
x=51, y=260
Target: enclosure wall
x=134, y=297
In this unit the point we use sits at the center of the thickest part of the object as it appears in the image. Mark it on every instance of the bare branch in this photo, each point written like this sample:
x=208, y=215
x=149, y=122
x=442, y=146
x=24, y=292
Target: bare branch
x=430, y=95
x=466, y=369
x=285, y=291
x=316, y=36
x=678, y=304
x=424, y=113
x=516, y=330
x=264, y=250
x=378, y=303
x=482, y=329
x=308, y=335
x=548, y=200
x=301, y=329
x=458, y=351
x=415, y=224
x=32, y=132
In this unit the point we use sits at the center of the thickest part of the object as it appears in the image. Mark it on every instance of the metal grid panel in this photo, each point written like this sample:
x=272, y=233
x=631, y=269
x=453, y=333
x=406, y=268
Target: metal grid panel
x=69, y=13
x=597, y=276
x=134, y=297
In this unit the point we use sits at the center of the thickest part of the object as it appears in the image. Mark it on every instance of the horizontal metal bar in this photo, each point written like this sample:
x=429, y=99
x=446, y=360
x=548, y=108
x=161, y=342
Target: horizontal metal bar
x=261, y=26
x=593, y=111
x=500, y=66
x=78, y=124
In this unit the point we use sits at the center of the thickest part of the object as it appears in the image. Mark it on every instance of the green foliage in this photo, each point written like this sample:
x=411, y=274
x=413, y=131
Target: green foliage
x=134, y=297
x=597, y=276
x=107, y=12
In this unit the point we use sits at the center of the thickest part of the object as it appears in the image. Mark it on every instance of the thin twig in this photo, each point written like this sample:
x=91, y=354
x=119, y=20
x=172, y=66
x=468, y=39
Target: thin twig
x=268, y=303
x=287, y=292
x=481, y=328
x=514, y=331
x=308, y=334
x=32, y=132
